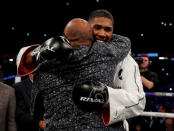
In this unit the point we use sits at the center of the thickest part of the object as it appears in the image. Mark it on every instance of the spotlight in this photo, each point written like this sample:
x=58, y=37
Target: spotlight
x=28, y=34
x=170, y=24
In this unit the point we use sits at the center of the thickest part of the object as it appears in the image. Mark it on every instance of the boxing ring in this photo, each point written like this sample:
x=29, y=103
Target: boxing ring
x=145, y=113
x=158, y=114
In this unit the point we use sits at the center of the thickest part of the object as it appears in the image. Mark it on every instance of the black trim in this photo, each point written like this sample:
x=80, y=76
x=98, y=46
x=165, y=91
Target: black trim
x=135, y=104
x=138, y=91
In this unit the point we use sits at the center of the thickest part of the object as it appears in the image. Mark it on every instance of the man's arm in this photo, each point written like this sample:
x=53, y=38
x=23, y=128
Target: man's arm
x=129, y=99
x=147, y=83
x=121, y=44
x=151, y=82
x=118, y=47
x=29, y=58
x=24, y=61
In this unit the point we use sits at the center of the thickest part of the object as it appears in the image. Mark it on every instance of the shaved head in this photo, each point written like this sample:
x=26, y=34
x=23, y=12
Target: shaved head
x=78, y=32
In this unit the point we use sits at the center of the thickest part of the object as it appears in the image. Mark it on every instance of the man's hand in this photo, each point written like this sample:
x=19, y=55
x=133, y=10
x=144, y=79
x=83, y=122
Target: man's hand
x=90, y=95
x=42, y=124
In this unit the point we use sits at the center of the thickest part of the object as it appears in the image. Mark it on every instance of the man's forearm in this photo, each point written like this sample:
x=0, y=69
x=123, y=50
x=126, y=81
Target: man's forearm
x=28, y=62
x=147, y=83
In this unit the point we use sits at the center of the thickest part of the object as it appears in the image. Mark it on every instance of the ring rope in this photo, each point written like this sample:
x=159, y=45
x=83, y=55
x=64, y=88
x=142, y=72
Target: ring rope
x=159, y=94
x=158, y=114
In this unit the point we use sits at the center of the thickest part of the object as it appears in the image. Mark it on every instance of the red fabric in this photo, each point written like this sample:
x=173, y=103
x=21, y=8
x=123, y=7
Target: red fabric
x=106, y=114
x=22, y=70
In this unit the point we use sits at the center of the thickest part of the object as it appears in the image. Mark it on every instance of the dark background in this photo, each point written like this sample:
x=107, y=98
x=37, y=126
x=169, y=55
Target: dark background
x=132, y=19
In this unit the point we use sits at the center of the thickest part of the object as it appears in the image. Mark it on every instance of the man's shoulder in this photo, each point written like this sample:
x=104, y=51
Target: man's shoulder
x=3, y=85
x=122, y=42
x=6, y=87
x=129, y=60
x=117, y=36
x=153, y=73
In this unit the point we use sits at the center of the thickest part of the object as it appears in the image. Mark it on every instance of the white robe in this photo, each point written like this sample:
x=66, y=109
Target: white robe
x=128, y=100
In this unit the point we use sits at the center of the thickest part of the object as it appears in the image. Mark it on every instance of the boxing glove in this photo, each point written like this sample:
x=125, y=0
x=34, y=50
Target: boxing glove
x=90, y=95
x=56, y=47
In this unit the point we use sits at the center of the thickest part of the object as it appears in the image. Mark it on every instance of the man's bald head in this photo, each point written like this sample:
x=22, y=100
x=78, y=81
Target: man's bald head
x=78, y=32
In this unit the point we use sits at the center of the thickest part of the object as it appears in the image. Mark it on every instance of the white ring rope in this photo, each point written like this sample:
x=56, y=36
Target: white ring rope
x=159, y=94
x=158, y=114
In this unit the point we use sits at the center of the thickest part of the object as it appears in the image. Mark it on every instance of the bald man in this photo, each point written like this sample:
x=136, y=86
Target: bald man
x=55, y=80
x=78, y=32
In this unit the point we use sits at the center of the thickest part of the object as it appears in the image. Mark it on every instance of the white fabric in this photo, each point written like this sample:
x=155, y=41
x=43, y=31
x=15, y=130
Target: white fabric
x=128, y=100
x=19, y=56
x=126, y=125
x=17, y=79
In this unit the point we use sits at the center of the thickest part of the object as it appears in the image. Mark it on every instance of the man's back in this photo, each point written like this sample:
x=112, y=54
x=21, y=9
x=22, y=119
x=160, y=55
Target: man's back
x=56, y=81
